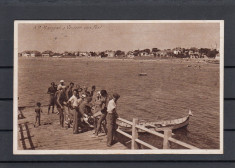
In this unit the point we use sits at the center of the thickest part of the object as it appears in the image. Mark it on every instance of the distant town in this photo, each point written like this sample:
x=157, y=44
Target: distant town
x=178, y=52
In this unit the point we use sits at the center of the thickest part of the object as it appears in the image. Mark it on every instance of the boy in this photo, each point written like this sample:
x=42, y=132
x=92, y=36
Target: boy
x=38, y=112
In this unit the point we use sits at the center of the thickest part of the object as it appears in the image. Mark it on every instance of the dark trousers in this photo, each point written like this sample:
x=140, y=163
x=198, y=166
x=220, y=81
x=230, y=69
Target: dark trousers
x=37, y=120
x=77, y=121
x=61, y=113
x=111, y=127
x=101, y=119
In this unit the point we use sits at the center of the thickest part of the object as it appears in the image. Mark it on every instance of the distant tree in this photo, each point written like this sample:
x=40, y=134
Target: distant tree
x=204, y=51
x=102, y=54
x=93, y=54
x=56, y=54
x=136, y=52
x=194, y=49
x=155, y=50
x=147, y=50
x=37, y=53
x=119, y=53
x=48, y=52
x=212, y=53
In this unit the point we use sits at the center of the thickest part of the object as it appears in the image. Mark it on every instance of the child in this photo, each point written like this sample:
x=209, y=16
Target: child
x=38, y=112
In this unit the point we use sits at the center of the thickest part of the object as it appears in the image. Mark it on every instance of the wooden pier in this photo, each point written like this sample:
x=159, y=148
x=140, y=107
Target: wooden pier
x=50, y=135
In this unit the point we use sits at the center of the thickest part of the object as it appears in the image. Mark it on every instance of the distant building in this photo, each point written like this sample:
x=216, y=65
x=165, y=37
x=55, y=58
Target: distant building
x=32, y=54
x=84, y=54
x=109, y=53
x=177, y=51
x=25, y=55
x=217, y=56
x=130, y=54
x=144, y=53
x=45, y=55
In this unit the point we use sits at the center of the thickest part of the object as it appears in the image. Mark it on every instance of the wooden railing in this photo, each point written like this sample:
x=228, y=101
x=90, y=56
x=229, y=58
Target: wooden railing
x=166, y=136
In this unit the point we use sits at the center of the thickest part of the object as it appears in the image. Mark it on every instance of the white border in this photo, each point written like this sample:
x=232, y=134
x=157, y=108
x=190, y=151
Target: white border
x=159, y=151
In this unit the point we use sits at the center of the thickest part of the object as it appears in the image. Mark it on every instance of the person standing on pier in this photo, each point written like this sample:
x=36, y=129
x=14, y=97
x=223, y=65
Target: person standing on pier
x=69, y=94
x=111, y=118
x=69, y=90
x=83, y=110
x=104, y=102
x=60, y=103
x=51, y=91
x=74, y=103
x=92, y=90
x=38, y=112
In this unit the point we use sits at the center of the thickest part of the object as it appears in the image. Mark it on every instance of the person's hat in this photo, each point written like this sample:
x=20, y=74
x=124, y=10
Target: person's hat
x=83, y=95
x=116, y=96
x=61, y=81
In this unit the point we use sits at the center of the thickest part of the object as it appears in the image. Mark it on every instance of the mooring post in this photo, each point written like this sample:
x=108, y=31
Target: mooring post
x=134, y=145
x=167, y=135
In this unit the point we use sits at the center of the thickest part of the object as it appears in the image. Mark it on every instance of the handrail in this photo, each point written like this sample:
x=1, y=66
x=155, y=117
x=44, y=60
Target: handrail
x=145, y=144
x=166, y=136
x=182, y=143
x=125, y=121
x=123, y=133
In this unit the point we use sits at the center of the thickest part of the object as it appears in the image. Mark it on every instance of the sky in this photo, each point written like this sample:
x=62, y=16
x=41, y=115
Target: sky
x=60, y=37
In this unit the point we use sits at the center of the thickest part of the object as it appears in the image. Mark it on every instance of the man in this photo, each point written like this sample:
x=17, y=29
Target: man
x=62, y=85
x=83, y=110
x=103, y=104
x=51, y=91
x=69, y=90
x=69, y=93
x=74, y=103
x=60, y=103
x=92, y=90
x=111, y=118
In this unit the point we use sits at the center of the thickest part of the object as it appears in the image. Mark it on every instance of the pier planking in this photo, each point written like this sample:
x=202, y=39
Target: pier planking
x=50, y=135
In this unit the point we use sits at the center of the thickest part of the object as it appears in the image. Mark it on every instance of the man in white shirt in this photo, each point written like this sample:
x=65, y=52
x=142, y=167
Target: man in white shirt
x=111, y=118
x=74, y=103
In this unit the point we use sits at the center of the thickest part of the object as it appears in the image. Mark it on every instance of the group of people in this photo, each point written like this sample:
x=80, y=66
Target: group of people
x=78, y=107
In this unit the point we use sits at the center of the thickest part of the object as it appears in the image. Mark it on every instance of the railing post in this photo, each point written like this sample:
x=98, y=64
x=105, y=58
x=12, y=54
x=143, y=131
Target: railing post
x=167, y=135
x=134, y=145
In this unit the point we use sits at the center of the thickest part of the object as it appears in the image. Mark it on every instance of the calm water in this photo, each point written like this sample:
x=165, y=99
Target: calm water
x=169, y=90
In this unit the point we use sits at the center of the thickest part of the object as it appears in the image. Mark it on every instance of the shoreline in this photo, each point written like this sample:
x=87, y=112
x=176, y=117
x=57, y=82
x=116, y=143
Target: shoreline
x=148, y=60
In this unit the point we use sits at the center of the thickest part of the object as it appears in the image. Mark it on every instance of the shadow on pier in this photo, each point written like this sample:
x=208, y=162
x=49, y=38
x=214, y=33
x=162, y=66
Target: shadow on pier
x=25, y=137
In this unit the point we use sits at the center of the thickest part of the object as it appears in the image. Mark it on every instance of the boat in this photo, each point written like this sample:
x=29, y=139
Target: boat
x=158, y=126
x=142, y=74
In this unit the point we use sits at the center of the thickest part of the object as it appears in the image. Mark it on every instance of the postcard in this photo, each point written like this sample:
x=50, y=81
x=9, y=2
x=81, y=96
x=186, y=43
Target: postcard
x=118, y=87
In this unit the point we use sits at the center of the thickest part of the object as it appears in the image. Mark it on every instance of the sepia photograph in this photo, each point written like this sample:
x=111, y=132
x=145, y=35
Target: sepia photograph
x=118, y=87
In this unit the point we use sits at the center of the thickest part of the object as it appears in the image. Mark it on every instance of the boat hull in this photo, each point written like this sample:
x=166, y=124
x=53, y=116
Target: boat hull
x=158, y=126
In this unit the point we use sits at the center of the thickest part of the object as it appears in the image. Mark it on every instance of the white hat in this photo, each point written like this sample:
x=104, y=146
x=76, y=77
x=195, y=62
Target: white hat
x=83, y=96
x=61, y=81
